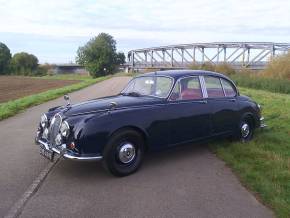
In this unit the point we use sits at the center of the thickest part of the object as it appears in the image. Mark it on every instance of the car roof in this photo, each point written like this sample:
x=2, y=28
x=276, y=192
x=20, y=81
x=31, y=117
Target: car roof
x=176, y=74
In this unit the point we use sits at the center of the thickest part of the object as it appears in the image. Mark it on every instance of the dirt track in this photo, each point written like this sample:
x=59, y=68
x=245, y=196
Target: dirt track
x=13, y=87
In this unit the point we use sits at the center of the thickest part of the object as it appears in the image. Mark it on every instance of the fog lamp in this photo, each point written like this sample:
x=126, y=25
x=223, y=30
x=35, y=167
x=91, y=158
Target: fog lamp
x=58, y=139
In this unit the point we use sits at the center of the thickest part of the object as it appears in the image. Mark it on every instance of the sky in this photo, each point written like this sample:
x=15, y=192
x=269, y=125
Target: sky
x=54, y=29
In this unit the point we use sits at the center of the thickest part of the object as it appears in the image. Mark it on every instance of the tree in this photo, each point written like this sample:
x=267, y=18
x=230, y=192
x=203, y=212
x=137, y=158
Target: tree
x=99, y=55
x=120, y=58
x=5, y=57
x=24, y=63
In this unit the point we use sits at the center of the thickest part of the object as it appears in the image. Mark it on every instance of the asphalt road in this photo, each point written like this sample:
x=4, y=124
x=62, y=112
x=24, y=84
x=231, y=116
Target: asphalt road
x=185, y=182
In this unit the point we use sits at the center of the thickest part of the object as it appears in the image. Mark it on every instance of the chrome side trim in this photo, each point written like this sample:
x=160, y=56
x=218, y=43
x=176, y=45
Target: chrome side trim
x=70, y=156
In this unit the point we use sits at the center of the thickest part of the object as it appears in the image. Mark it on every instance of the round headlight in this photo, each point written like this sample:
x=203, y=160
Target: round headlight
x=64, y=129
x=43, y=121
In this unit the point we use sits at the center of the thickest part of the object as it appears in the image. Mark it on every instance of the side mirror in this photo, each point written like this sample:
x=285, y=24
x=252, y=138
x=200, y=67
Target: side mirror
x=66, y=98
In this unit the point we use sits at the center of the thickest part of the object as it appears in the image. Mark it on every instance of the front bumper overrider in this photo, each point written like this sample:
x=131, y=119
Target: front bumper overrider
x=262, y=123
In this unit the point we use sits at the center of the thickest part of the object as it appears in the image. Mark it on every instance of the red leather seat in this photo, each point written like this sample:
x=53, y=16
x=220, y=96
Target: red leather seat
x=213, y=92
x=188, y=94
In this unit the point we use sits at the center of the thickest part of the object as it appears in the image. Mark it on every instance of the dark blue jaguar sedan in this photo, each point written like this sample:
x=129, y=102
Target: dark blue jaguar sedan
x=155, y=111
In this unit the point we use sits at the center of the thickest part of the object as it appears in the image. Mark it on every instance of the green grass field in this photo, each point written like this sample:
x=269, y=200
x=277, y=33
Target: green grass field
x=263, y=165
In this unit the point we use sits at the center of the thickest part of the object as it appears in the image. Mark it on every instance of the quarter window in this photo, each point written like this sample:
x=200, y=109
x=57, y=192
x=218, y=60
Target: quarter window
x=187, y=89
x=213, y=87
x=229, y=89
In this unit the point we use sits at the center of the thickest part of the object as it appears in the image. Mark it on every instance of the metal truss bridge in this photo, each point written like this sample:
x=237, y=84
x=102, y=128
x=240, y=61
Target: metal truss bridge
x=252, y=55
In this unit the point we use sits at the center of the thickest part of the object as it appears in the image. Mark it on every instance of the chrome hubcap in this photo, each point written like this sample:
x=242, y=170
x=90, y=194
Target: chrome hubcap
x=245, y=130
x=127, y=153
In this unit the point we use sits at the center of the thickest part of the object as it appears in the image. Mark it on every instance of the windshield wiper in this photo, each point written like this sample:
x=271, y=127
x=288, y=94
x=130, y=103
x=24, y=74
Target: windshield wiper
x=134, y=94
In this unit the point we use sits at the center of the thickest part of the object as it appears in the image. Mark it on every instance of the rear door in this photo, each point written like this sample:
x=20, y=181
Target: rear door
x=222, y=101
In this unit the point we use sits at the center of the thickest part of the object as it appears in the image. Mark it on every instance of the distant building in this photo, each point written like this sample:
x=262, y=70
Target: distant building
x=69, y=69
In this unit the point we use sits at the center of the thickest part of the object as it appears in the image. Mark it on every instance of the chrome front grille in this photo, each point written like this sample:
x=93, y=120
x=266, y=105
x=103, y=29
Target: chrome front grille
x=54, y=128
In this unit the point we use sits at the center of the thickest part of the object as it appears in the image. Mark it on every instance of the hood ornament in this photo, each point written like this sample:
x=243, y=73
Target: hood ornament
x=66, y=98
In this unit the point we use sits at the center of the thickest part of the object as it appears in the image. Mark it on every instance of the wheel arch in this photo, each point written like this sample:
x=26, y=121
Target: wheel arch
x=139, y=130
x=249, y=116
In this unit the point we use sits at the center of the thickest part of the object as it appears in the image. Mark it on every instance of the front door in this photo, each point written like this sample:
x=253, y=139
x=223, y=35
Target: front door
x=189, y=112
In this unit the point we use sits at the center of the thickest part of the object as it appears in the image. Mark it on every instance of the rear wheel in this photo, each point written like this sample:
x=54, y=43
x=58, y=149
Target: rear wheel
x=124, y=153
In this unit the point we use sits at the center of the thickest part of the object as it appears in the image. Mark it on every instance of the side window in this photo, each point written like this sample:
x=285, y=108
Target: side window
x=229, y=89
x=187, y=89
x=213, y=87
x=163, y=85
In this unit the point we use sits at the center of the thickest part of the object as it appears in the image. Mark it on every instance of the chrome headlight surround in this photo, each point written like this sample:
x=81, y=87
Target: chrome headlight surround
x=64, y=129
x=43, y=121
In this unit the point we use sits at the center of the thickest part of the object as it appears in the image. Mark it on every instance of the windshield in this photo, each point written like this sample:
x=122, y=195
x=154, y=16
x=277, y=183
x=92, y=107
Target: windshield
x=157, y=86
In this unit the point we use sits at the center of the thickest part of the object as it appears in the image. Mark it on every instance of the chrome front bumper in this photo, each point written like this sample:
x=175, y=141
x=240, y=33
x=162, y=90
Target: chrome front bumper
x=67, y=155
x=262, y=124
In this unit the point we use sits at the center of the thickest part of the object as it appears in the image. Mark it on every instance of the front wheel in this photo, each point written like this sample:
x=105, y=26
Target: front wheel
x=124, y=153
x=246, y=130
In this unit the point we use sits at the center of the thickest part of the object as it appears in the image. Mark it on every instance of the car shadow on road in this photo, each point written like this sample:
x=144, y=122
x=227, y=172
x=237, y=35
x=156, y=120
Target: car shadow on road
x=164, y=160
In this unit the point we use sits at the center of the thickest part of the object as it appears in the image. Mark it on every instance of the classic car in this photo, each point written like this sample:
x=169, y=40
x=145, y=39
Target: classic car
x=155, y=111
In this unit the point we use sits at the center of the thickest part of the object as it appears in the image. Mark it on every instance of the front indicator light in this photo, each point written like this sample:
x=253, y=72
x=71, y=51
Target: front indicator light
x=72, y=146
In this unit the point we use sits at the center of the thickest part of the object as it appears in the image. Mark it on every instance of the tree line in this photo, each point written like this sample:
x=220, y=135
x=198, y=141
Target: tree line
x=19, y=64
x=98, y=56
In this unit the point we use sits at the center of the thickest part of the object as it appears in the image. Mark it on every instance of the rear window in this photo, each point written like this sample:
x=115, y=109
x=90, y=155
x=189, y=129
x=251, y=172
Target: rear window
x=214, y=87
x=229, y=89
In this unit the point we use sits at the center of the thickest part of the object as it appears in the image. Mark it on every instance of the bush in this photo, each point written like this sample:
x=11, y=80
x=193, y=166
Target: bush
x=99, y=55
x=5, y=57
x=24, y=64
x=220, y=68
x=225, y=69
x=259, y=82
x=278, y=67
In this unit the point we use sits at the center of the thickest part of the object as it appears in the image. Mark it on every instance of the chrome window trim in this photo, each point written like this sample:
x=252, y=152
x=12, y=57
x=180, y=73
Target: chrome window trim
x=184, y=77
x=203, y=87
x=223, y=87
x=169, y=92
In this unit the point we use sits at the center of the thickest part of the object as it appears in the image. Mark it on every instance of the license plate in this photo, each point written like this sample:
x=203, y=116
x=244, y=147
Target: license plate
x=46, y=153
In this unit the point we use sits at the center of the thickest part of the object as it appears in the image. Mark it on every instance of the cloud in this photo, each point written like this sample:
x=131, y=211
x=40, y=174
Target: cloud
x=148, y=22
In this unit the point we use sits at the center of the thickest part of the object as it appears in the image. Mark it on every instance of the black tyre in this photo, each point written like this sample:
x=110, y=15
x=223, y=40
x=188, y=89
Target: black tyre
x=124, y=153
x=246, y=130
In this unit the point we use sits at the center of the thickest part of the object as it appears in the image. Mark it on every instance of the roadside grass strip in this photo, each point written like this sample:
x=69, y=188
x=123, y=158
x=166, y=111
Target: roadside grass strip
x=263, y=165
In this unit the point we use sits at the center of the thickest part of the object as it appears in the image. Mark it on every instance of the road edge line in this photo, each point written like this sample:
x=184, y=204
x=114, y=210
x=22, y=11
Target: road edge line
x=17, y=207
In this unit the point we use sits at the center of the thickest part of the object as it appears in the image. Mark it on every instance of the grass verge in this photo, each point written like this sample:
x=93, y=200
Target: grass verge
x=263, y=83
x=263, y=164
x=11, y=108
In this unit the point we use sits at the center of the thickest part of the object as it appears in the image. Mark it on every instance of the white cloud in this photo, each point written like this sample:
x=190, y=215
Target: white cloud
x=162, y=22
